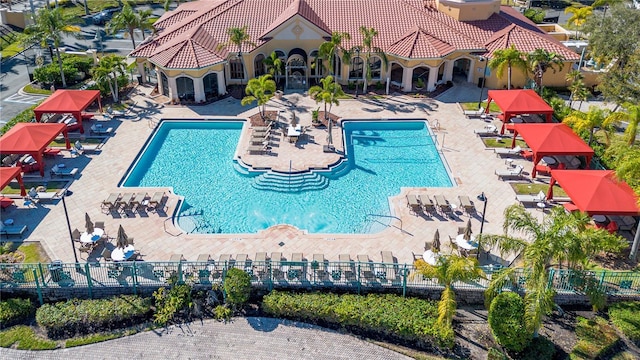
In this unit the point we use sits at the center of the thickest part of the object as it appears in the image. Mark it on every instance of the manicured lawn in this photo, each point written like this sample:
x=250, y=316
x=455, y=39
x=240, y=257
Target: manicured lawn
x=33, y=253
x=26, y=339
x=96, y=338
x=11, y=50
x=626, y=317
x=492, y=142
x=14, y=188
x=61, y=143
x=474, y=106
x=595, y=337
x=526, y=188
x=33, y=90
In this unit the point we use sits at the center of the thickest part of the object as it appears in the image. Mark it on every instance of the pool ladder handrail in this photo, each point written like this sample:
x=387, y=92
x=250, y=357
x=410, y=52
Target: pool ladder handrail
x=390, y=216
x=167, y=231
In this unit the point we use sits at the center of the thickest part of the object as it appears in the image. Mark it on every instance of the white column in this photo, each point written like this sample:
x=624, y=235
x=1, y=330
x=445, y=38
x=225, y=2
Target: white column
x=173, y=88
x=159, y=81
x=198, y=89
x=407, y=76
x=141, y=70
x=433, y=78
x=448, y=71
x=222, y=85
x=471, y=71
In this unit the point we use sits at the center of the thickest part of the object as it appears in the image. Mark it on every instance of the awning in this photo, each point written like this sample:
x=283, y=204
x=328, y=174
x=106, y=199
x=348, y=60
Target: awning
x=596, y=192
x=516, y=102
x=551, y=139
x=32, y=139
x=9, y=173
x=68, y=102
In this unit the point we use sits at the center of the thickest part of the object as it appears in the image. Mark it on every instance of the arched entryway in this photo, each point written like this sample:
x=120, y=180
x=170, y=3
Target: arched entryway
x=296, y=70
x=420, y=77
x=165, y=84
x=461, y=70
x=210, y=84
x=397, y=72
x=186, y=91
x=441, y=72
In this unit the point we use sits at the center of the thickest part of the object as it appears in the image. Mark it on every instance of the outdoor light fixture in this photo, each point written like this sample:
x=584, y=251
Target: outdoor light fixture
x=66, y=214
x=482, y=198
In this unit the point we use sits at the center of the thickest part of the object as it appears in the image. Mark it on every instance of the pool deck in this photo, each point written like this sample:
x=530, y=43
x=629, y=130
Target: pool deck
x=472, y=166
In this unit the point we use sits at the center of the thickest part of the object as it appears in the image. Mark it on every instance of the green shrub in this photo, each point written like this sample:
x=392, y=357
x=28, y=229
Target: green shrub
x=14, y=311
x=66, y=319
x=626, y=317
x=169, y=303
x=26, y=339
x=237, y=287
x=506, y=319
x=495, y=354
x=222, y=313
x=412, y=320
x=540, y=348
x=595, y=337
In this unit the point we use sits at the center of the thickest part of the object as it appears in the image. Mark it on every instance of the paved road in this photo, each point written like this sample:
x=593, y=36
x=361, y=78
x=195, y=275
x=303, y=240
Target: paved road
x=245, y=338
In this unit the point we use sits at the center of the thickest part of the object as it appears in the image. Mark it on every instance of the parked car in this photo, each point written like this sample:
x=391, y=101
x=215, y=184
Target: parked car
x=104, y=16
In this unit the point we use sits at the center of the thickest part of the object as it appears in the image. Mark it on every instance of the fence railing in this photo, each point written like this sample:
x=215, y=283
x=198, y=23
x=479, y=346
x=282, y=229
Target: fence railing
x=353, y=275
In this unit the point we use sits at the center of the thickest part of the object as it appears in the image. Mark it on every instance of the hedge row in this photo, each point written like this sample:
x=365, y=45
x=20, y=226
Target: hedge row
x=81, y=317
x=625, y=316
x=14, y=311
x=392, y=316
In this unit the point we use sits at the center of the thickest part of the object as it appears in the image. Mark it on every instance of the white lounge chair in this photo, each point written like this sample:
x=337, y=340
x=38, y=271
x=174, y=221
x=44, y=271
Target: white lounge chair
x=257, y=149
x=55, y=170
x=515, y=172
x=474, y=113
x=530, y=198
x=80, y=148
x=489, y=130
x=98, y=129
x=508, y=152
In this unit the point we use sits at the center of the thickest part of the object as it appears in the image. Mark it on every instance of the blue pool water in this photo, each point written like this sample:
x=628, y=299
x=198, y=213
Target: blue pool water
x=196, y=159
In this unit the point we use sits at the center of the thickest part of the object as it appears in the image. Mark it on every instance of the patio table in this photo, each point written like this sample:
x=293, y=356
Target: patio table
x=466, y=244
x=93, y=237
x=120, y=254
x=430, y=257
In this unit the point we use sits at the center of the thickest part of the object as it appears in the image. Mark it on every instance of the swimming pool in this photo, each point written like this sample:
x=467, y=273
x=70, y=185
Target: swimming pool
x=196, y=158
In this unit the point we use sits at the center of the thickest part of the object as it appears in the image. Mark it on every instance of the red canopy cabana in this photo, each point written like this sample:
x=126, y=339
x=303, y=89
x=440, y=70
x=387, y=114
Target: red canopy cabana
x=551, y=139
x=32, y=139
x=515, y=102
x=9, y=173
x=596, y=192
x=68, y=101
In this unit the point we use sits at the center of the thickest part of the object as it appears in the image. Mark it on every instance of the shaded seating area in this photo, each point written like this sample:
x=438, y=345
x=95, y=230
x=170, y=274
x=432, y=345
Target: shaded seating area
x=547, y=140
x=32, y=139
x=7, y=174
x=72, y=102
x=517, y=102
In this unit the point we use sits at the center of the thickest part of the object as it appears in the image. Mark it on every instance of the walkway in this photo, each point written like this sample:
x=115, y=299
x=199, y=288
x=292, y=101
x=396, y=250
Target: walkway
x=245, y=338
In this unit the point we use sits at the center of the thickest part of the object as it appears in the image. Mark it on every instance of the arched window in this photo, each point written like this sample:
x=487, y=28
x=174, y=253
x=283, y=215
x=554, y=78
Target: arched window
x=259, y=68
x=210, y=83
x=185, y=88
x=375, y=65
x=355, y=68
x=281, y=54
x=337, y=66
x=165, y=84
x=236, y=68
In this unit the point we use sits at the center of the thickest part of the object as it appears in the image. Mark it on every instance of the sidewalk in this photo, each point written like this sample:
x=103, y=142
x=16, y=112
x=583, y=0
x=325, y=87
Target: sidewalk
x=245, y=338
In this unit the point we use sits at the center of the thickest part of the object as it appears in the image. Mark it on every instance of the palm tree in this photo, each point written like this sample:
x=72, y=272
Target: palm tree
x=275, y=65
x=449, y=270
x=507, y=58
x=330, y=49
x=47, y=30
x=589, y=121
x=560, y=237
x=579, y=16
x=127, y=19
x=631, y=115
x=107, y=72
x=260, y=90
x=368, y=35
x=574, y=76
x=238, y=37
x=146, y=22
x=329, y=94
x=541, y=60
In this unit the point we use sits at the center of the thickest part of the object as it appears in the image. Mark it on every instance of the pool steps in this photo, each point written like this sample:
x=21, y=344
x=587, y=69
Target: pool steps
x=280, y=182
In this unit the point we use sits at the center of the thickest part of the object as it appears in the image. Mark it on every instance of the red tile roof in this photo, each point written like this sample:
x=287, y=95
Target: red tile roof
x=188, y=36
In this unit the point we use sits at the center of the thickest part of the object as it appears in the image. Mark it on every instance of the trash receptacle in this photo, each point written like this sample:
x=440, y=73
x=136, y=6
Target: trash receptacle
x=139, y=79
x=55, y=269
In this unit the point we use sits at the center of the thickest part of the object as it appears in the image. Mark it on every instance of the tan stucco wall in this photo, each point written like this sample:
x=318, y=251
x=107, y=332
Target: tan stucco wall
x=13, y=17
x=519, y=78
x=468, y=11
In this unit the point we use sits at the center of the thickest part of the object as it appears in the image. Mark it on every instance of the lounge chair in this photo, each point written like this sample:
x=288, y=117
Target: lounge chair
x=346, y=265
x=47, y=195
x=80, y=148
x=466, y=204
x=98, y=129
x=124, y=203
x=58, y=171
x=156, y=200
x=413, y=203
x=444, y=205
x=366, y=267
x=530, y=198
x=106, y=254
x=508, y=152
x=489, y=130
x=110, y=203
x=474, y=113
x=276, y=263
x=224, y=260
x=9, y=230
x=137, y=200
x=510, y=173
x=319, y=265
x=427, y=204
x=257, y=149
x=241, y=261
x=204, y=258
x=177, y=258
x=389, y=261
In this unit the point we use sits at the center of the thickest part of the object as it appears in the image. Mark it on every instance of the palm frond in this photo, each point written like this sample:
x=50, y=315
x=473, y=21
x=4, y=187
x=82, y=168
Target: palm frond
x=499, y=280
